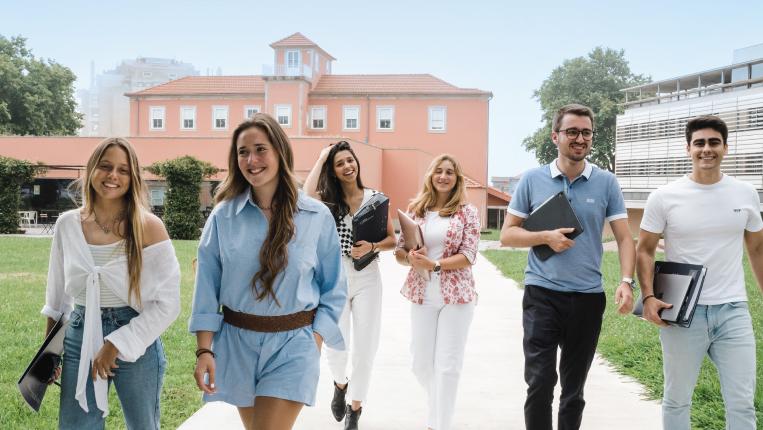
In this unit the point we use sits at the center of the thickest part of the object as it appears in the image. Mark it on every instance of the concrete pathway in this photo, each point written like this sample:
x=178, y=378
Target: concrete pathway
x=492, y=390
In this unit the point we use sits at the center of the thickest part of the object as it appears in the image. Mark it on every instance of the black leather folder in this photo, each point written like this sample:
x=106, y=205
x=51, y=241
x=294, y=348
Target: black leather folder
x=34, y=382
x=556, y=212
x=370, y=224
x=680, y=285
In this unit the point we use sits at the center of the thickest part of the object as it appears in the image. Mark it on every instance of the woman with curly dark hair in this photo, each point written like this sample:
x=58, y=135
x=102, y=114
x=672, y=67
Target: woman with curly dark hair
x=335, y=180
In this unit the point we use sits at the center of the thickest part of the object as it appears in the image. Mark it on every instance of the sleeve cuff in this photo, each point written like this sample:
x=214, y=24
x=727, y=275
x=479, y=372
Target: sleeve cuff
x=517, y=213
x=616, y=217
x=128, y=351
x=51, y=313
x=205, y=322
x=329, y=330
x=650, y=229
x=470, y=255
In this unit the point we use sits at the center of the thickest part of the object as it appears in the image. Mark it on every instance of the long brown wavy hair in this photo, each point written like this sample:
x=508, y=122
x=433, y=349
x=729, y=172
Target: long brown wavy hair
x=427, y=197
x=136, y=205
x=274, y=253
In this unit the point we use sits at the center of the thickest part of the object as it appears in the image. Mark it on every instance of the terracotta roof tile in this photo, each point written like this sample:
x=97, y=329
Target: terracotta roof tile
x=471, y=183
x=191, y=85
x=328, y=85
x=298, y=39
x=389, y=84
x=498, y=193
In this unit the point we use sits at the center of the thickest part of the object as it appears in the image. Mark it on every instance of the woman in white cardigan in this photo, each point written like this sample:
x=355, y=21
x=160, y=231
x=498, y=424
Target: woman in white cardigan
x=113, y=273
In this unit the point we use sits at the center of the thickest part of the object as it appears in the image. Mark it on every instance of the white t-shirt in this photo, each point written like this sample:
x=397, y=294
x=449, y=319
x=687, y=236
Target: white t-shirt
x=705, y=224
x=434, y=231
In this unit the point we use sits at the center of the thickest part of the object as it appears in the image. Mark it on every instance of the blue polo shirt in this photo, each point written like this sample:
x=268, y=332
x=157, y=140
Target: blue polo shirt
x=596, y=197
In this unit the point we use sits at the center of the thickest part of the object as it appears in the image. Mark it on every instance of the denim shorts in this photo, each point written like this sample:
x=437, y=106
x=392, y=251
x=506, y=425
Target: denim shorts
x=138, y=384
x=248, y=364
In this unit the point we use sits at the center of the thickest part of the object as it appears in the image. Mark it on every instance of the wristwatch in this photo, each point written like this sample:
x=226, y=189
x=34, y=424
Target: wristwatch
x=437, y=267
x=630, y=281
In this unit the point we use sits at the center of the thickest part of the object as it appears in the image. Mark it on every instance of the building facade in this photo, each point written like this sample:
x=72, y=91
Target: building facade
x=651, y=143
x=400, y=121
x=104, y=105
x=396, y=123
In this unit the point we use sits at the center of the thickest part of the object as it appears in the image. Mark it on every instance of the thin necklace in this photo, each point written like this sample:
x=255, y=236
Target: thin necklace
x=106, y=229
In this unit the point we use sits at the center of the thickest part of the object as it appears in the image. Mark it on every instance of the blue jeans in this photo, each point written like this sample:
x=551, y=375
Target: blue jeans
x=138, y=384
x=724, y=333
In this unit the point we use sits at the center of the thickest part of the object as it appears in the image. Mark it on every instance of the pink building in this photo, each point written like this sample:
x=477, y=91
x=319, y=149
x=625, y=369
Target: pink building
x=396, y=123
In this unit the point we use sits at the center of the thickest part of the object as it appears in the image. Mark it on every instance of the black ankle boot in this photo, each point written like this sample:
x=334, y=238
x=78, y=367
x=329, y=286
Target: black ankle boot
x=338, y=403
x=351, y=420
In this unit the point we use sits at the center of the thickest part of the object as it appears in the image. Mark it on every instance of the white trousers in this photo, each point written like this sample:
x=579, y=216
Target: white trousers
x=438, y=340
x=360, y=325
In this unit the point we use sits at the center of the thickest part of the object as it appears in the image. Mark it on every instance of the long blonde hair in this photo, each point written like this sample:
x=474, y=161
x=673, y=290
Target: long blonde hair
x=427, y=197
x=136, y=205
x=274, y=252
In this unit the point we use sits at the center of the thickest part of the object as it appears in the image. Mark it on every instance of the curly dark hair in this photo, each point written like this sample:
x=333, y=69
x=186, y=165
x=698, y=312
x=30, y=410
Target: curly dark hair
x=329, y=188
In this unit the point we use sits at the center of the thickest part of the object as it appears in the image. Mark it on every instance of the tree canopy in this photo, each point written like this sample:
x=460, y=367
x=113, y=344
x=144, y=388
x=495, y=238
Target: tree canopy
x=594, y=81
x=36, y=95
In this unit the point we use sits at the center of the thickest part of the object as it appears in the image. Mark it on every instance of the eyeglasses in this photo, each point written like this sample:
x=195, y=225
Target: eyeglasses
x=573, y=133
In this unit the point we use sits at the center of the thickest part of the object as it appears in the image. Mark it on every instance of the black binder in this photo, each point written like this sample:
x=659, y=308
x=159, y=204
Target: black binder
x=556, y=212
x=34, y=381
x=680, y=285
x=370, y=224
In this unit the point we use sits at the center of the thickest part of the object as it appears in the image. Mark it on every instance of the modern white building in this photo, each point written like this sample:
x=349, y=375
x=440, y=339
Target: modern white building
x=105, y=107
x=651, y=143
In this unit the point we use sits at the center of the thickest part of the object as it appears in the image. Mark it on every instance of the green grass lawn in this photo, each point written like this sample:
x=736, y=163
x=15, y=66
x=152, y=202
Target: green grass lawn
x=490, y=234
x=633, y=345
x=23, y=271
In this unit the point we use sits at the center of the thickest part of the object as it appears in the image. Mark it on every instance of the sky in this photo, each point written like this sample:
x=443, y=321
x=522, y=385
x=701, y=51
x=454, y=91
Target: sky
x=505, y=47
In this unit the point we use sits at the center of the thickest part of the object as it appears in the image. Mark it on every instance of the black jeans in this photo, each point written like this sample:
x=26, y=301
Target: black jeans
x=571, y=322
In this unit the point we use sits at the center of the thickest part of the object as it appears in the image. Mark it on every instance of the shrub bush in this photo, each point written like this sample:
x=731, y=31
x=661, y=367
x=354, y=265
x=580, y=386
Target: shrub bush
x=13, y=174
x=182, y=214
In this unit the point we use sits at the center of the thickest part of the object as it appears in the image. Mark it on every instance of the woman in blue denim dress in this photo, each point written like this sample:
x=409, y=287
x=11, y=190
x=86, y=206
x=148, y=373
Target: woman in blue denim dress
x=269, y=257
x=114, y=273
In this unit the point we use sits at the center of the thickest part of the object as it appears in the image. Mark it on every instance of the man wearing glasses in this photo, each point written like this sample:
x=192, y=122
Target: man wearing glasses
x=564, y=297
x=706, y=216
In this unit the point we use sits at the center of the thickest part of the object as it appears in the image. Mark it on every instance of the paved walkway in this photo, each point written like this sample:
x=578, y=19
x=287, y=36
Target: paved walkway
x=492, y=390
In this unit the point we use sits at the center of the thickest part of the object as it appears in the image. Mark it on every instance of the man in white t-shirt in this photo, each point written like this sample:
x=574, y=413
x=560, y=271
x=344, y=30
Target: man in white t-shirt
x=705, y=217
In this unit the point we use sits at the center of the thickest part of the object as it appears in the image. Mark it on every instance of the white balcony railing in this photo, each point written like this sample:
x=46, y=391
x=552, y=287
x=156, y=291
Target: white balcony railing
x=285, y=70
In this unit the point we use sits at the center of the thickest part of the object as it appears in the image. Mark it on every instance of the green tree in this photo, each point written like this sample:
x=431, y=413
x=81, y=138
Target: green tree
x=594, y=81
x=13, y=173
x=36, y=95
x=181, y=204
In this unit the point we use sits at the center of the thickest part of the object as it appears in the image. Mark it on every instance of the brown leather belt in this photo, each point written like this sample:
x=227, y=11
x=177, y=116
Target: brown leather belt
x=268, y=324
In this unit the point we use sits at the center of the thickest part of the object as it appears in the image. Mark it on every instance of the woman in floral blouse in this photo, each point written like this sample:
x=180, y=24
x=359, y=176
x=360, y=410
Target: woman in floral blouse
x=443, y=306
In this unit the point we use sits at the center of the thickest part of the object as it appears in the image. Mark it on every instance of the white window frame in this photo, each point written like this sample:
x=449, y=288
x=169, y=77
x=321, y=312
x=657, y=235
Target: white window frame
x=313, y=110
x=146, y=74
x=172, y=76
x=345, y=110
x=151, y=117
x=286, y=59
x=162, y=194
x=247, y=108
x=184, y=109
x=379, y=110
x=215, y=110
x=444, y=110
x=276, y=110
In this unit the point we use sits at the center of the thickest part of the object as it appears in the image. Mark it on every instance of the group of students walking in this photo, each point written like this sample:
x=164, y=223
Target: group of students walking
x=275, y=281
